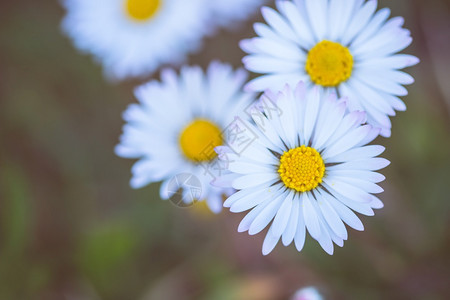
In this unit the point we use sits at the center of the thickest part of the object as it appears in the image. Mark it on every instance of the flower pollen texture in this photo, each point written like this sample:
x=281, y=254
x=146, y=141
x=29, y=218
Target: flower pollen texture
x=198, y=140
x=329, y=63
x=142, y=10
x=301, y=168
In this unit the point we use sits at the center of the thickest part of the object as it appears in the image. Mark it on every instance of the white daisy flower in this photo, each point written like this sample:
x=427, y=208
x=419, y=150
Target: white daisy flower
x=339, y=45
x=178, y=122
x=134, y=37
x=228, y=13
x=307, y=293
x=307, y=170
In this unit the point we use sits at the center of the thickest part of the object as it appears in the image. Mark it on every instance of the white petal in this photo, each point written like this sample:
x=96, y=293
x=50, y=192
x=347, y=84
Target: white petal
x=357, y=153
x=300, y=234
x=370, y=98
x=296, y=17
x=254, y=199
x=252, y=180
x=358, y=206
x=317, y=13
x=282, y=217
x=351, y=120
x=371, y=164
x=291, y=228
x=250, y=217
x=285, y=50
x=325, y=239
x=398, y=61
x=266, y=215
x=275, y=81
x=359, y=21
x=329, y=118
x=270, y=241
x=376, y=203
x=374, y=25
x=380, y=83
x=283, y=29
x=214, y=201
x=312, y=109
x=347, y=190
x=346, y=214
x=239, y=195
x=224, y=181
x=332, y=217
x=310, y=216
x=339, y=16
x=348, y=141
x=364, y=185
x=249, y=167
x=364, y=175
x=269, y=64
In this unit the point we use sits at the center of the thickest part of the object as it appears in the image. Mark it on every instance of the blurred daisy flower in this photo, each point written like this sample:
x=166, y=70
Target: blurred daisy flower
x=178, y=122
x=339, y=45
x=133, y=38
x=228, y=13
x=307, y=170
x=307, y=293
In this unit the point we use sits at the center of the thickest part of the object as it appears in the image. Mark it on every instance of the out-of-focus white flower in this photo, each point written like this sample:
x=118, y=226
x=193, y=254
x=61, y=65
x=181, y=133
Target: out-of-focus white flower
x=229, y=13
x=135, y=37
x=307, y=293
x=176, y=125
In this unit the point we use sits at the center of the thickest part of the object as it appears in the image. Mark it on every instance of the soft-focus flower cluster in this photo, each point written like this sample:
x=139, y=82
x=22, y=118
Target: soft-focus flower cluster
x=297, y=159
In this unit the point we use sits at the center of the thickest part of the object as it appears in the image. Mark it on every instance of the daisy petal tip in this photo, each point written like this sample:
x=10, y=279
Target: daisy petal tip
x=300, y=92
x=118, y=150
x=216, y=209
x=269, y=94
x=413, y=61
x=300, y=85
x=245, y=45
x=234, y=209
x=136, y=183
x=385, y=132
x=286, y=88
x=299, y=246
x=216, y=183
x=360, y=227
x=377, y=204
x=285, y=242
x=265, y=10
x=268, y=246
x=227, y=204
x=248, y=87
x=242, y=228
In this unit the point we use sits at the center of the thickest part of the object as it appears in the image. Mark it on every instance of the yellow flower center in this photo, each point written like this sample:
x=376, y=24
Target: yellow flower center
x=142, y=10
x=198, y=139
x=301, y=168
x=329, y=63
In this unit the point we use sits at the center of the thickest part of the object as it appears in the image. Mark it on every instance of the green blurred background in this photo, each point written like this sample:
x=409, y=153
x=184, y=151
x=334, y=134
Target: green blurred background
x=71, y=228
